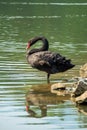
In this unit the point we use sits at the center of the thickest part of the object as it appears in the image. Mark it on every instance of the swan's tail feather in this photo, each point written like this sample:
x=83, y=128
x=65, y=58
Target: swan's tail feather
x=64, y=64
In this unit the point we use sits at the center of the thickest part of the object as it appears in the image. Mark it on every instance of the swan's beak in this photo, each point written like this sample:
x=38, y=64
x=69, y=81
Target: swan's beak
x=28, y=46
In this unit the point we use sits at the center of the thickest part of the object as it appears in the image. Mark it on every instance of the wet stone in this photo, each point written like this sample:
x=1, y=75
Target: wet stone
x=82, y=99
x=80, y=92
x=81, y=87
x=83, y=71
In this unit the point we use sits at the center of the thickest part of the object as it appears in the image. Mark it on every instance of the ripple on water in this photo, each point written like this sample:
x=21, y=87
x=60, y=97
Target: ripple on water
x=17, y=78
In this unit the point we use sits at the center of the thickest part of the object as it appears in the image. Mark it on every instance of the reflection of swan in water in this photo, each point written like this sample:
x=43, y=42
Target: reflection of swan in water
x=41, y=96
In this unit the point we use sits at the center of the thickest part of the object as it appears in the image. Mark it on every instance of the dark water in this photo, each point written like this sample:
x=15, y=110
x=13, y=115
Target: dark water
x=64, y=23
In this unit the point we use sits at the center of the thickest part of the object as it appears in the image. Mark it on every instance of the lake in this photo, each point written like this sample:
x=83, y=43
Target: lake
x=64, y=24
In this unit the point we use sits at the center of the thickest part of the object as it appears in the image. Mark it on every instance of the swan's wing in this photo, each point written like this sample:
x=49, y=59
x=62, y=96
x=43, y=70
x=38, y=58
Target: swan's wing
x=45, y=59
x=49, y=62
x=39, y=59
x=43, y=63
x=51, y=58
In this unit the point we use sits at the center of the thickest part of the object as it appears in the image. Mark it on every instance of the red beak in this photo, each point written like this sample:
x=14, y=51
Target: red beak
x=27, y=108
x=28, y=46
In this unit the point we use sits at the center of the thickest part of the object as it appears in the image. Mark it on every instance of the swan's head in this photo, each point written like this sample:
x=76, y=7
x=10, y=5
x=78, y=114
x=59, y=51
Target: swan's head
x=34, y=40
x=30, y=43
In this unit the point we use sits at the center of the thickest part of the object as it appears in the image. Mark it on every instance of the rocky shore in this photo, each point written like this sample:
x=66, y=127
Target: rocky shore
x=77, y=90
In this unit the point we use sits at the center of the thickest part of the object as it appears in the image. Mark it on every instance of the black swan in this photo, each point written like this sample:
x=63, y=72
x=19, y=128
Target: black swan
x=45, y=60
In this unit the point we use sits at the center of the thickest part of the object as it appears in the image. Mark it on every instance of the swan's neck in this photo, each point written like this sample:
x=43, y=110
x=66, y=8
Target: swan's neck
x=44, y=47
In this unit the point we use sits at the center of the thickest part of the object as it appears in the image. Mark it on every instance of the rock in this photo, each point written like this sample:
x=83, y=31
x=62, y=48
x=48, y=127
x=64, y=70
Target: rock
x=81, y=87
x=80, y=93
x=83, y=71
x=82, y=99
x=63, y=89
x=58, y=86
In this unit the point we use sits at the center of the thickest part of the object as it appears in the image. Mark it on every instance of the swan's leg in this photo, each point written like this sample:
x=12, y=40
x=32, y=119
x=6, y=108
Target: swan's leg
x=48, y=76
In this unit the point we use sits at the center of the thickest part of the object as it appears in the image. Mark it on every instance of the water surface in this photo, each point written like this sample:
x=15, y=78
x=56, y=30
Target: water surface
x=64, y=24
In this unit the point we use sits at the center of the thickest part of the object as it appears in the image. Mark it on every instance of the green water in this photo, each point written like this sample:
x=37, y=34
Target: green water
x=64, y=24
